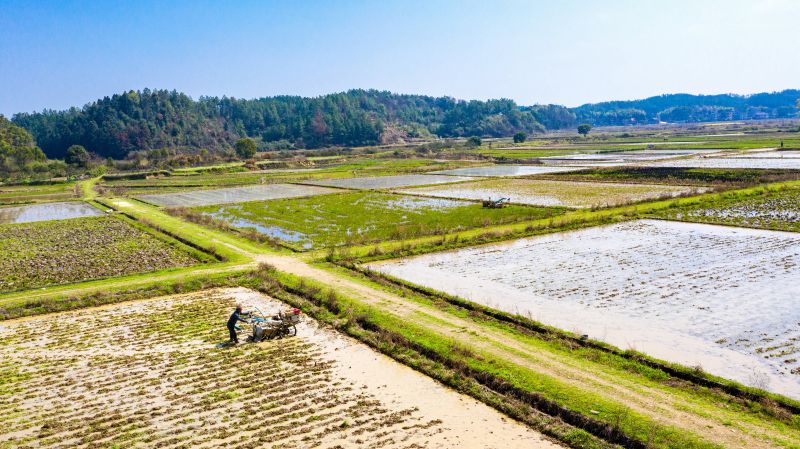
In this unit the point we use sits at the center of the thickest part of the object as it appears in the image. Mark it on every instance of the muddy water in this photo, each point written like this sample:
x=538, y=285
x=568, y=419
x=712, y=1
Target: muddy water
x=47, y=211
x=726, y=299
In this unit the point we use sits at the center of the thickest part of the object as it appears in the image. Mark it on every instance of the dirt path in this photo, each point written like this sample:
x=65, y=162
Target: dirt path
x=659, y=405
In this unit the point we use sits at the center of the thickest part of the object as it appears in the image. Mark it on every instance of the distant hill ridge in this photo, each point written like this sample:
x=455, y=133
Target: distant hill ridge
x=157, y=119
x=686, y=108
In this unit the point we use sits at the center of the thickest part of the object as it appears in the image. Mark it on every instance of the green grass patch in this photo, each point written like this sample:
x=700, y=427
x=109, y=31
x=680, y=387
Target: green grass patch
x=363, y=217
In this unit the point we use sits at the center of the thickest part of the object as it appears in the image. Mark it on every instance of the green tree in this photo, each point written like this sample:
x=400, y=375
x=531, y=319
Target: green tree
x=77, y=156
x=584, y=129
x=246, y=148
x=520, y=137
x=474, y=141
x=20, y=158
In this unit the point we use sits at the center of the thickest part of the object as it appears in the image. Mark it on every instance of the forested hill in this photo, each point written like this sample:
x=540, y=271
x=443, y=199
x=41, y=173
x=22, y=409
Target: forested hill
x=153, y=119
x=684, y=108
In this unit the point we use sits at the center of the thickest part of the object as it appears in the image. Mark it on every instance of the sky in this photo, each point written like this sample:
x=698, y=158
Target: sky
x=58, y=54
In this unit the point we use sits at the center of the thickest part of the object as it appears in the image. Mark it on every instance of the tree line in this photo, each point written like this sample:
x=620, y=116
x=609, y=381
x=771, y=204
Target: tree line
x=686, y=108
x=154, y=119
x=20, y=158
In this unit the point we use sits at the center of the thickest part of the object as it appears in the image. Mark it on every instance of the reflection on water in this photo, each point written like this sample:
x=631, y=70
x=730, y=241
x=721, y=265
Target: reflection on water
x=272, y=231
x=47, y=211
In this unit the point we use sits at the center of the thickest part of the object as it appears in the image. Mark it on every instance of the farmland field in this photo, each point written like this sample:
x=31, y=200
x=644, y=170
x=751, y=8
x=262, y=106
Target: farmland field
x=718, y=297
x=233, y=195
x=388, y=182
x=57, y=252
x=151, y=374
x=350, y=169
x=362, y=217
x=554, y=193
x=622, y=157
x=47, y=211
x=504, y=170
x=731, y=162
x=786, y=154
x=21, y=194
x=678, y=176
x=778, y=210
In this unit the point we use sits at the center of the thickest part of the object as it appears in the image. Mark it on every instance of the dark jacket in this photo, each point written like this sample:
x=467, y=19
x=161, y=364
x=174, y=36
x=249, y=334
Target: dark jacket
x=234, y=318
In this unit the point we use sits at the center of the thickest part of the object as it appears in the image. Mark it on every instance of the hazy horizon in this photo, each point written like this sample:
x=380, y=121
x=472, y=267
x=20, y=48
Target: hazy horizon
x=62, y=54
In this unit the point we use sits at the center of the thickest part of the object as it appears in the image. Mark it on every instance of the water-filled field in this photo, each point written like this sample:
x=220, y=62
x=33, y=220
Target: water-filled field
x=629, y=156
x=233, y=195
x=47, y=211
x=150, y=374
x=388, y=182
x=44, y=253
x=786, y=154
x=734, y=162
x=623, y=157
x=554, y=193
x=723, y=298
x=361, y=217
x=778, y=210
x=505, y=170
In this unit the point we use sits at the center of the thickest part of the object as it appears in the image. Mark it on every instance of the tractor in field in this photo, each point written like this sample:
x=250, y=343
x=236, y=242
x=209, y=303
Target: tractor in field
x=496, y=204
x=283, y=324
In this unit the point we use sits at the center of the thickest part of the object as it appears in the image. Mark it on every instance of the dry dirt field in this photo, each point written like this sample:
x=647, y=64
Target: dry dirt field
x=151, y=374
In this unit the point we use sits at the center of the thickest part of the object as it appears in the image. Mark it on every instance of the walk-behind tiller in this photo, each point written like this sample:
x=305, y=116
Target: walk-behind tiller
x=284, y=324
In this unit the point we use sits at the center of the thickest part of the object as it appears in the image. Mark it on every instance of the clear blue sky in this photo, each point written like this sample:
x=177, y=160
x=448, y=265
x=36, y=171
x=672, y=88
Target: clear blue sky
x=56, y=54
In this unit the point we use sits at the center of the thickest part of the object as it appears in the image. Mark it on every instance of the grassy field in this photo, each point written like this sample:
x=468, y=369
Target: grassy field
x=776, y=209
x=361, y=217
x=55, y=252
x=35, y=193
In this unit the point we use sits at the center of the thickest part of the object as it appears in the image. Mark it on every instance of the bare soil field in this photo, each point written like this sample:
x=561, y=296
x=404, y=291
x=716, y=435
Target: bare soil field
x=151, y=374
x=554, y=193
x=718, y=297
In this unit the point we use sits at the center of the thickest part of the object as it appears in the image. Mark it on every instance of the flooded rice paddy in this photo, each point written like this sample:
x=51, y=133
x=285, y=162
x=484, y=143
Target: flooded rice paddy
x=734, y=162
x=623, y=157
x=786, y=154
x=505, y=170
x=726, y=299
x=47, y=211
x=388, y=182
x=233, y=195
x=554, y=193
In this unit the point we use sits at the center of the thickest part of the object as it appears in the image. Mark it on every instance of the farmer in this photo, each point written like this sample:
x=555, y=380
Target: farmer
x=235, y=316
